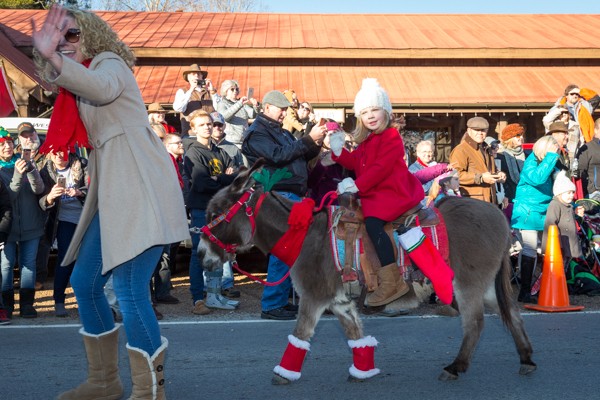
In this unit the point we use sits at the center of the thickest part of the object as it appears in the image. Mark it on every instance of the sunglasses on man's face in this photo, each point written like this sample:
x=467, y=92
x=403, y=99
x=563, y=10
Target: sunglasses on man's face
x=72, y=35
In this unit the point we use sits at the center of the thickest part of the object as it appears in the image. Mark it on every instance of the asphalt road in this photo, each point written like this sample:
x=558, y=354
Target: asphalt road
x=234, y=360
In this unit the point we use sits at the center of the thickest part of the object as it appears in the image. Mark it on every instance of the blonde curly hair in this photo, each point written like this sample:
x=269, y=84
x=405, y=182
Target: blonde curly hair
x=96, y=37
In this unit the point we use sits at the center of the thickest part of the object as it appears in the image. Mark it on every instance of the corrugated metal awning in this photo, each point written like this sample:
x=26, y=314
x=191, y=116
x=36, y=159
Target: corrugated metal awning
x=410, y=88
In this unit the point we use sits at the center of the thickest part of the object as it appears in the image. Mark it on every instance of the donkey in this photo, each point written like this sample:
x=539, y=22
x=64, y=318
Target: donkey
x=479, y=239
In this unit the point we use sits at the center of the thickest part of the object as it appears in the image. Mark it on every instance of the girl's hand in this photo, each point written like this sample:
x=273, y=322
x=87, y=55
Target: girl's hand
x=47, y=38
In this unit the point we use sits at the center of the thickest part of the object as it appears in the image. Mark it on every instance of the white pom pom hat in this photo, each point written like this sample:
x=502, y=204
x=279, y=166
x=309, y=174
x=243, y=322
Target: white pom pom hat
x=371, y=94
x=562, y=184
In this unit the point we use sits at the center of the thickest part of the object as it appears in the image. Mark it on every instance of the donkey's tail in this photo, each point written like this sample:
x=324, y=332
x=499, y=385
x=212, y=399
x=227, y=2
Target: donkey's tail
x=504, y=290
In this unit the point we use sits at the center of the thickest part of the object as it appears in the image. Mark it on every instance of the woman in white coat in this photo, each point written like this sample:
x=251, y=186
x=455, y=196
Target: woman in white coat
x=124, y=224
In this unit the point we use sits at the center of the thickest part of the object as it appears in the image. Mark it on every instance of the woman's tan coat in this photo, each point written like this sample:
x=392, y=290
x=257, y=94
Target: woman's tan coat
x=133, y=185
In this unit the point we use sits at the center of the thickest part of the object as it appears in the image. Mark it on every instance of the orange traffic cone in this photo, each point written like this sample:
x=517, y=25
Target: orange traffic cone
x=554, y=295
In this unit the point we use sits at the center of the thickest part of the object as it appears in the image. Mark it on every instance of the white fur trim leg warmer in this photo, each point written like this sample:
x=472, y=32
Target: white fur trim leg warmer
x=290, y=366
x=363, y=352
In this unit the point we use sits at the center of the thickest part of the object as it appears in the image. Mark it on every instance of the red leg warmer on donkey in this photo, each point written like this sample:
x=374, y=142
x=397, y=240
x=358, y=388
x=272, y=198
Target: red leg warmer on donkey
x=363, y=355
x=423, y=253
x=290, y=366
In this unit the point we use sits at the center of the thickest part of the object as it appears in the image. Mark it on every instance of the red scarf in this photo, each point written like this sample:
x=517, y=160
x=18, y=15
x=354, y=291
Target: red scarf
x=288, y=247
x=66, y=128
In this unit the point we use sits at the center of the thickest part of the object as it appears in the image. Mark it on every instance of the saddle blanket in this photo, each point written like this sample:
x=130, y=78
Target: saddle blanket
x=437, y=234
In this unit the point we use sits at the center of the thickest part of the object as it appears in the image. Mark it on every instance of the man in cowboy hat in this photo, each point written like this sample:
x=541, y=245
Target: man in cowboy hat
x=198, y=95
x=156, y=115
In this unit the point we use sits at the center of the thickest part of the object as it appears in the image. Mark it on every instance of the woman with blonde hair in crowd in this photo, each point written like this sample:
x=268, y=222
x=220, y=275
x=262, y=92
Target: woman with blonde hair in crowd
x=120, y=233
x=236, y=111
x=533, y=195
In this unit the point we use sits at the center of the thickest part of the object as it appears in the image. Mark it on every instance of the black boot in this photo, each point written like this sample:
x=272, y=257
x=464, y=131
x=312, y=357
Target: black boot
x=26, y=299
x=527, y=267
x=8, y=298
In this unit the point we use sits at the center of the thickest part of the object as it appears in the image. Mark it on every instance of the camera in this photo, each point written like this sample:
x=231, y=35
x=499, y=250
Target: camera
x=61, y=181
x=202, y=82
x=26, y=154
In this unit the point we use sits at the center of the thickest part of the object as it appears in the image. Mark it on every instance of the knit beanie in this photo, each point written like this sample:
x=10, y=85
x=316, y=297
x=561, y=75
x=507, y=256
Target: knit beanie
x=4, y=135
x=228, y=84
x=562, y=184
x=512, y=130
x=371, y=94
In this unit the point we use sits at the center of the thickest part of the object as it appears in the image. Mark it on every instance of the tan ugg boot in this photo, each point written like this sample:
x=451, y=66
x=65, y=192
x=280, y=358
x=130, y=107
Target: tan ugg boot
x=391, y=286
x=103, y=380
x=147, y=372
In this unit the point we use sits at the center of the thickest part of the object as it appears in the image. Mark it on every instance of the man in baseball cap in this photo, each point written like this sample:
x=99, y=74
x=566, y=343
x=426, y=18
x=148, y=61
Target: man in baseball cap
x=267, y=139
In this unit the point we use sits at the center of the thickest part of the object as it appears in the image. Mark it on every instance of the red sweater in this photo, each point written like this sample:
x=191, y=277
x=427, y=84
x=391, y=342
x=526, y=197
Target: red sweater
x=385, y=187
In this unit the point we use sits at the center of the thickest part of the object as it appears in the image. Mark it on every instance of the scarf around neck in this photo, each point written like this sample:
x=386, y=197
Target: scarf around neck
x=66, y=128
x=515, y=158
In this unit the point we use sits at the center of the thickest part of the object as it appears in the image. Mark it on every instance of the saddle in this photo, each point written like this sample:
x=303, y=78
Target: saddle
x=349, y=225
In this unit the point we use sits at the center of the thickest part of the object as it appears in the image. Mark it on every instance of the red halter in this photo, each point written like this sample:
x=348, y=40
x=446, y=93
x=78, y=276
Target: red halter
x=227, y=217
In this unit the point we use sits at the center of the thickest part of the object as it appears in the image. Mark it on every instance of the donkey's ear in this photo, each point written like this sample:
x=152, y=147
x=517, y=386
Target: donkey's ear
x=244, y=179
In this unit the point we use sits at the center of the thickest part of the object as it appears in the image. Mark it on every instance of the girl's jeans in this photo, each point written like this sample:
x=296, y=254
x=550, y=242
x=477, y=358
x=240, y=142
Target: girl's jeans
x=132, y=286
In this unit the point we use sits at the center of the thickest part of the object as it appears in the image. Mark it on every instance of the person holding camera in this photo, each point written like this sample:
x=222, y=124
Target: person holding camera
x=29, y=139
x=236, y=111
x=65, y=177
x=477, y=171
x=20, y=175
x=199, y=95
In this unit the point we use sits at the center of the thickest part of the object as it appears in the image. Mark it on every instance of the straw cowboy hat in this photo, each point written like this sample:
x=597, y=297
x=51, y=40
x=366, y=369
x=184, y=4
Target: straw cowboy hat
x=156, y=108
x=194, y=68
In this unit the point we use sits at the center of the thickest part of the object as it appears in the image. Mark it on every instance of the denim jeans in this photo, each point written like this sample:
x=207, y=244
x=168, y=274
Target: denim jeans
x=27, y=253
x=64, y=234
x=131, y=282
x=277, y=296
x=196, y=269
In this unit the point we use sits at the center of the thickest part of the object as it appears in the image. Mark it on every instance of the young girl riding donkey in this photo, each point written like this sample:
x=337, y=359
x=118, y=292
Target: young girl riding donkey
x=387, y=190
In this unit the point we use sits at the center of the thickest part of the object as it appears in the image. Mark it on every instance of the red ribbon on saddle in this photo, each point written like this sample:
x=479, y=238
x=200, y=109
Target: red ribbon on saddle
x=288, y=247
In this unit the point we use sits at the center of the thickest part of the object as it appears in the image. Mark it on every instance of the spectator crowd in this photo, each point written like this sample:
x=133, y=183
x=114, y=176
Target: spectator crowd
x=42, y=195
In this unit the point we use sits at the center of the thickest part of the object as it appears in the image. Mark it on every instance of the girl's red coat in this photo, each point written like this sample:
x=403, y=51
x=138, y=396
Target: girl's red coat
x=385, y=186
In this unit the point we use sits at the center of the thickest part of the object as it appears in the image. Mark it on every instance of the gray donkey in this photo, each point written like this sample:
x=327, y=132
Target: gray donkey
x=243, y=214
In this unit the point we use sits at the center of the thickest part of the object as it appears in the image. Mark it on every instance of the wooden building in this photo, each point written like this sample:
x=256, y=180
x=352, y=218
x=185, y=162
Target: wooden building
x=439, y=70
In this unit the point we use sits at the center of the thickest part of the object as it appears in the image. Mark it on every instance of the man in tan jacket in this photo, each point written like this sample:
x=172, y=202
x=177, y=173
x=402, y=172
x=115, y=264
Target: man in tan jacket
x=476, y=169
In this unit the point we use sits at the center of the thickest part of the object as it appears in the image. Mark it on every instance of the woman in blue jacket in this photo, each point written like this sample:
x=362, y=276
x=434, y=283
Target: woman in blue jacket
x=534, y=193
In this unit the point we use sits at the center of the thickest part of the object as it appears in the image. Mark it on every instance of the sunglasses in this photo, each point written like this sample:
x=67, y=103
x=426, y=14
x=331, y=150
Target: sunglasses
x=217, y=125
x=72, y=35
x=574, y=94
x=235, y=89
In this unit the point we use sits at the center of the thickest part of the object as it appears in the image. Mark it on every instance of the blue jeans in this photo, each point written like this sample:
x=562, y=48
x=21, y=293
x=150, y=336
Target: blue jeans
x=196, y=269
x=27, y=254
x=277, y=296
x=64, y=234
x=131, y=282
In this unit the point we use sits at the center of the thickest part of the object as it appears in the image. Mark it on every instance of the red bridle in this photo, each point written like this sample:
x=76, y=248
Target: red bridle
x=227, y=217
x=251, y=214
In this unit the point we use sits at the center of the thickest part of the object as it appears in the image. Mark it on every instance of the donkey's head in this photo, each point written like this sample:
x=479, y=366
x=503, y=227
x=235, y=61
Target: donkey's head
x=227, y=220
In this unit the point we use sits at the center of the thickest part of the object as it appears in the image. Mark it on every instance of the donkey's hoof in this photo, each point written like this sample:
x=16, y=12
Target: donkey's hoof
x=279, y=380
x=447, y=376
x=527, y=369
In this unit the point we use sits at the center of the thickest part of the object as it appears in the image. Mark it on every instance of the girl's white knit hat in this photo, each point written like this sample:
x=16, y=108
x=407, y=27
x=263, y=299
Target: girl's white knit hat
x=371, y=94
x=562, y=184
